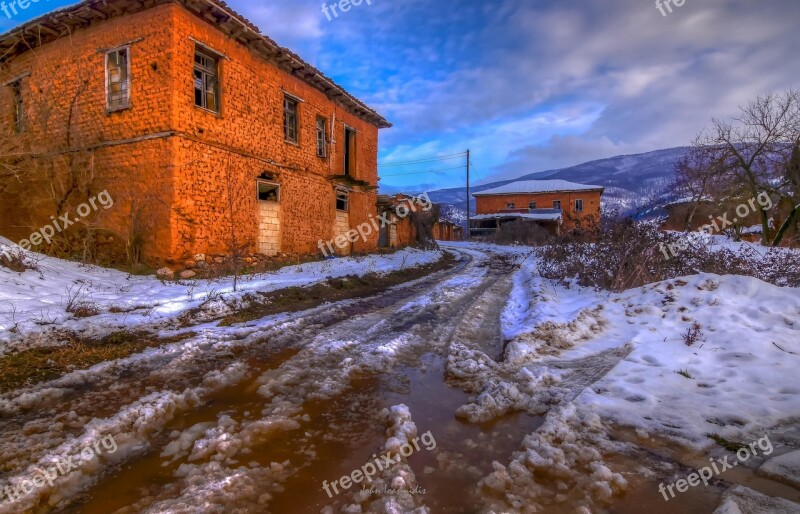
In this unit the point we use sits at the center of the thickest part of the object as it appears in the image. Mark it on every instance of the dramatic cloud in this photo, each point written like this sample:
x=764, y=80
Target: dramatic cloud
x=530, y=86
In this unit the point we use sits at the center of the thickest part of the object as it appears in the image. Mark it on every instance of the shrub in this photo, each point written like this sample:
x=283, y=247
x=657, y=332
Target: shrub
x=628, y=254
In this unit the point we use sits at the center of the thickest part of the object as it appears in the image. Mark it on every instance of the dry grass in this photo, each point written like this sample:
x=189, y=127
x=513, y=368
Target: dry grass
x=30, y=367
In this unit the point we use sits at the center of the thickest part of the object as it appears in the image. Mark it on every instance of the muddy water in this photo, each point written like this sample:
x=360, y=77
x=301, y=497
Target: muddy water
x=341, y=433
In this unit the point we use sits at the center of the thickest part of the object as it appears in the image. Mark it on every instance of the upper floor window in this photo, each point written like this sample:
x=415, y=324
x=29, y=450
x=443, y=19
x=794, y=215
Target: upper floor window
x=349, y=151
x=19, y=107
x=321, y=138
x=532, y=205
x=578, y=205
x=557, y=204
x=118, y=79
x=290, y=119
x=511, y=205
x=206, y=81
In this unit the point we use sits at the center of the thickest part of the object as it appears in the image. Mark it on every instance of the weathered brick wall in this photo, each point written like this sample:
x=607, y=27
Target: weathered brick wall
x=497, y=203
x=201, y=156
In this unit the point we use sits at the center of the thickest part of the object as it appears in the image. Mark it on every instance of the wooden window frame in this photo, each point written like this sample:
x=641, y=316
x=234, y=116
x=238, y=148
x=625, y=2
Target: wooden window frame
x=511, y=205
x=206, y=72
x=350, y=155
x=277, y=187
x=19, y=106
x=557, y=204
x=579, y=201
x=344, y=196
x=128, y=80
x=533, y=206
x=287, y=115
x=322, y=137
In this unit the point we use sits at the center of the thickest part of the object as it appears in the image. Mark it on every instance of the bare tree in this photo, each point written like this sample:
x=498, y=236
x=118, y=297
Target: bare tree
x=753, y=149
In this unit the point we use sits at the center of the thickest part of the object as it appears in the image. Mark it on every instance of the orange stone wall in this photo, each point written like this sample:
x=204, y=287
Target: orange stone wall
x=175, y=154
x=495, y=204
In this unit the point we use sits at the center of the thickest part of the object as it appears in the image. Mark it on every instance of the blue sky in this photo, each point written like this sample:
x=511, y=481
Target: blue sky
x=532, y=85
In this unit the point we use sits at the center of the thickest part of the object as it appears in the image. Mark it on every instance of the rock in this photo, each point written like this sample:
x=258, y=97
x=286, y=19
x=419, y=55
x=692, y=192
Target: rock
x=165, y=274
x=200, y=257
x=202, y=264
x=190, y=264
x=188, y=274
x=219, y=260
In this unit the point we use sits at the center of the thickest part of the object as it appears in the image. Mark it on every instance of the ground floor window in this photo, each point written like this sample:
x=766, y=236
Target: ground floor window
x=269, y=192
x=578, y=205
x=557, y=204
x=342, y=200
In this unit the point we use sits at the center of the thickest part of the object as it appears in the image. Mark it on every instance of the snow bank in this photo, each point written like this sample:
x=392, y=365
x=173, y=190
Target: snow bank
x=34, y=300
x=561, y=464
x=741, y=500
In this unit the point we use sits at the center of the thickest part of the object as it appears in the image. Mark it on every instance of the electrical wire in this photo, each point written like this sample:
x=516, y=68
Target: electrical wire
x=432, y=159
x=424, y=172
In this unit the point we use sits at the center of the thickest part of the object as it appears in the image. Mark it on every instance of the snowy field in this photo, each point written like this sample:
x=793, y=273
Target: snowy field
x=34, y=300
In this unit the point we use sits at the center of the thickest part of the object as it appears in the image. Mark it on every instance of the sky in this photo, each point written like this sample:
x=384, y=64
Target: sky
x=532, y=85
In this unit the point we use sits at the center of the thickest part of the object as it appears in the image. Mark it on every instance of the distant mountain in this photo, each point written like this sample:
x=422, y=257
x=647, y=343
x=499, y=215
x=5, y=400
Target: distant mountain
x=635, y=184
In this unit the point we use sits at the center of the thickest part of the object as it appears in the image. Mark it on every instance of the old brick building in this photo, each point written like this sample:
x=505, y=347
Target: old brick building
x=209, y=136
x=556, y=204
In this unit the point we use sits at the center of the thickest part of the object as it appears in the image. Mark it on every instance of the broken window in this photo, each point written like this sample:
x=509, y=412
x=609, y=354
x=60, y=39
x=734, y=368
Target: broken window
x=321, y=139
x=269, y=192
x=557, y=204
x=118, y=79
x=578, y=205
x=290, y=119
x=532, y=206
x=349, y=151
x=206, y=81
x=19, y=107
x=342, y=200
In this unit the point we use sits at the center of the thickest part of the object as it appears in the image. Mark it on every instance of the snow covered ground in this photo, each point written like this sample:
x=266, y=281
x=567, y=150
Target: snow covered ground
x=738, y=379
x=35, y=300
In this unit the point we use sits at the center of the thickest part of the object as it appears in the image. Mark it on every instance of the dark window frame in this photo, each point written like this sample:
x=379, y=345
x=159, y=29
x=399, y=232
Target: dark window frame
x=350, y=151
x=208, y=70
x=579, y=205
x=343, y=200
x=19, y=106
x=122, y=103
x=557, y=204
x=274, y=187
x=322, y=137
x=511, y=205
x=533, y=206
x=291, y=120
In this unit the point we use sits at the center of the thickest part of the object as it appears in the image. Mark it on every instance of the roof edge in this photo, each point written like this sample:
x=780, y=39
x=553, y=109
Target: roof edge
x=56, y=24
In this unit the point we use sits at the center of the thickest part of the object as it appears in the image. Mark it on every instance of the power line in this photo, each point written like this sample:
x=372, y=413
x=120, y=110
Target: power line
x=432, y=159
x=424, y=172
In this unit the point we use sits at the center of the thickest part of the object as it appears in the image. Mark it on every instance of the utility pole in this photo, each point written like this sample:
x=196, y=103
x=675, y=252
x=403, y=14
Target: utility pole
x=469, y=228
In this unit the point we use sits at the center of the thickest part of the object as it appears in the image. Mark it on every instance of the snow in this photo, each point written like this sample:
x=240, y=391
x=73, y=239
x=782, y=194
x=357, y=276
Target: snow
x=538, y=186
x=784, y=468
x=741, y=500
x=743, y=369
x=34, y=300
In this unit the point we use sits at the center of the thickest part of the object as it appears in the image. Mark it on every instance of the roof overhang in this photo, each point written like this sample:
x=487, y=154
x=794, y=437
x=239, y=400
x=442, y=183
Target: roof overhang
x=62, y=22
